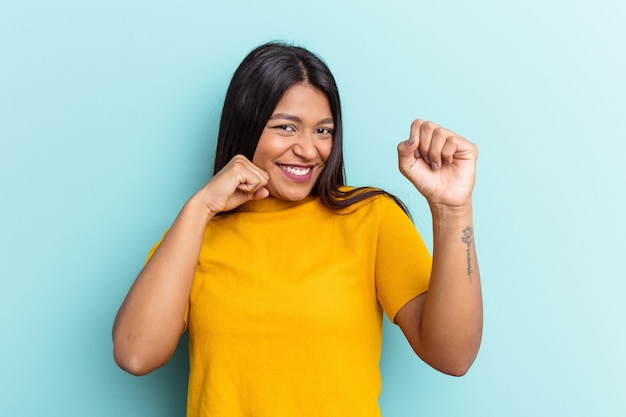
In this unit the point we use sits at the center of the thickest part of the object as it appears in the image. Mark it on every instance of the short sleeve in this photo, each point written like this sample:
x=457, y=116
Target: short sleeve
x=403, y=263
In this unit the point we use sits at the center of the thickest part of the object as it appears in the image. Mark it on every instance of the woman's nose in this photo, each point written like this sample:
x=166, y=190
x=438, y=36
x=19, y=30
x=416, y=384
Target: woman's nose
x=305, y=146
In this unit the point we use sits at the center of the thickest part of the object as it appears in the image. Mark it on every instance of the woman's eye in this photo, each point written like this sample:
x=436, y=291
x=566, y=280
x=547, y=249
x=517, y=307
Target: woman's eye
x=286, y=128
x=324, y=131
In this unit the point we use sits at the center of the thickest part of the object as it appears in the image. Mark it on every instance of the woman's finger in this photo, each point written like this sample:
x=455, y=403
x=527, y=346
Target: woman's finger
x=414, y=135
x=437, y=143
x=449, y=149
x=427, y=130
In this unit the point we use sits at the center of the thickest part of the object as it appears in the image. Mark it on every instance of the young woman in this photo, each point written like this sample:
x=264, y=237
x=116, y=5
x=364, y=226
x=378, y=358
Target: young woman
x=281, y=273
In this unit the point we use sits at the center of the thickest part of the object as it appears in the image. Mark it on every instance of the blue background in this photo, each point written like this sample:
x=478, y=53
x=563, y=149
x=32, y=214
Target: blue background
x=108, y=118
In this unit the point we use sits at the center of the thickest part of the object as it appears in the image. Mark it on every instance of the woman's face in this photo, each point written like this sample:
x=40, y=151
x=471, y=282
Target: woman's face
x=296, y=142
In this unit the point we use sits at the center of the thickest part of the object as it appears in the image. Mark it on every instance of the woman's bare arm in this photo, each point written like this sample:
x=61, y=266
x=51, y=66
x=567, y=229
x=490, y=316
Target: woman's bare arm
x=151, y=319
x=444, y=325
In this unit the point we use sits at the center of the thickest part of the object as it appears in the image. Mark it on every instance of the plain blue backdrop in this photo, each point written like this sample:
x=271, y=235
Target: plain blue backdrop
x=108, y=118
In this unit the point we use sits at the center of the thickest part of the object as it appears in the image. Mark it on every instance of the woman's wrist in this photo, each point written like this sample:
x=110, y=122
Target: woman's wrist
x=197, y=207
x=452, y=216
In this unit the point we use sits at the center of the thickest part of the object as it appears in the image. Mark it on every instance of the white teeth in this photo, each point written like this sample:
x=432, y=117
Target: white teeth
x=296, y=170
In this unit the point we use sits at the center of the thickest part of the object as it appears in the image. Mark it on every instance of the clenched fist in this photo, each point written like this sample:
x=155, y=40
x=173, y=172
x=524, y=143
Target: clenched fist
x=440, y=163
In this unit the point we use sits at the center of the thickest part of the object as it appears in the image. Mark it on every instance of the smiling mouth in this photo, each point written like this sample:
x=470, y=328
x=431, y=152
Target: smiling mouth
x=298, y=171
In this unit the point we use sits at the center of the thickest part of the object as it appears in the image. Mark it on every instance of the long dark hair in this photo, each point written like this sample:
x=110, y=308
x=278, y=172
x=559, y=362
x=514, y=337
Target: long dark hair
x=257, y=86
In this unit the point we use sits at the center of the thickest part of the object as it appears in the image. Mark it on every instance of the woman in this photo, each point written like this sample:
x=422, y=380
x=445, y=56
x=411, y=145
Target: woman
x=281, y=273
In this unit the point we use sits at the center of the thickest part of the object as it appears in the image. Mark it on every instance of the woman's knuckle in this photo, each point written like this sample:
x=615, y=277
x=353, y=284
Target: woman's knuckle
x=416, y=123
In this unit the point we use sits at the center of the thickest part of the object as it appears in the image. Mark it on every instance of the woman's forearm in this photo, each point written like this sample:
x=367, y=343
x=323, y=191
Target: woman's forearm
x=451, y=325
x=150, y=321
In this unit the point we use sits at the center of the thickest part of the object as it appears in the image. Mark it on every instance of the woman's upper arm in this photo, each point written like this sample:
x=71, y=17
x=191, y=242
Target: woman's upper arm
x=409, y=319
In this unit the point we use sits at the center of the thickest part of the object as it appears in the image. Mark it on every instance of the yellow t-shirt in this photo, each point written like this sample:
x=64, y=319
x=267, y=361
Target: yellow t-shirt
x=285, y=316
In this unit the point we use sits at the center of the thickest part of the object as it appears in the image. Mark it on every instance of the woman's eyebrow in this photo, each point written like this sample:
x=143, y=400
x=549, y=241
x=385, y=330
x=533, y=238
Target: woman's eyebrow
x=296, y=119
x=285, y=116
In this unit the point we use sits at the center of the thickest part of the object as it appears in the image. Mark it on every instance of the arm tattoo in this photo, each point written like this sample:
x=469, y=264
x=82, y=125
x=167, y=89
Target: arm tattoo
x=468, y=233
